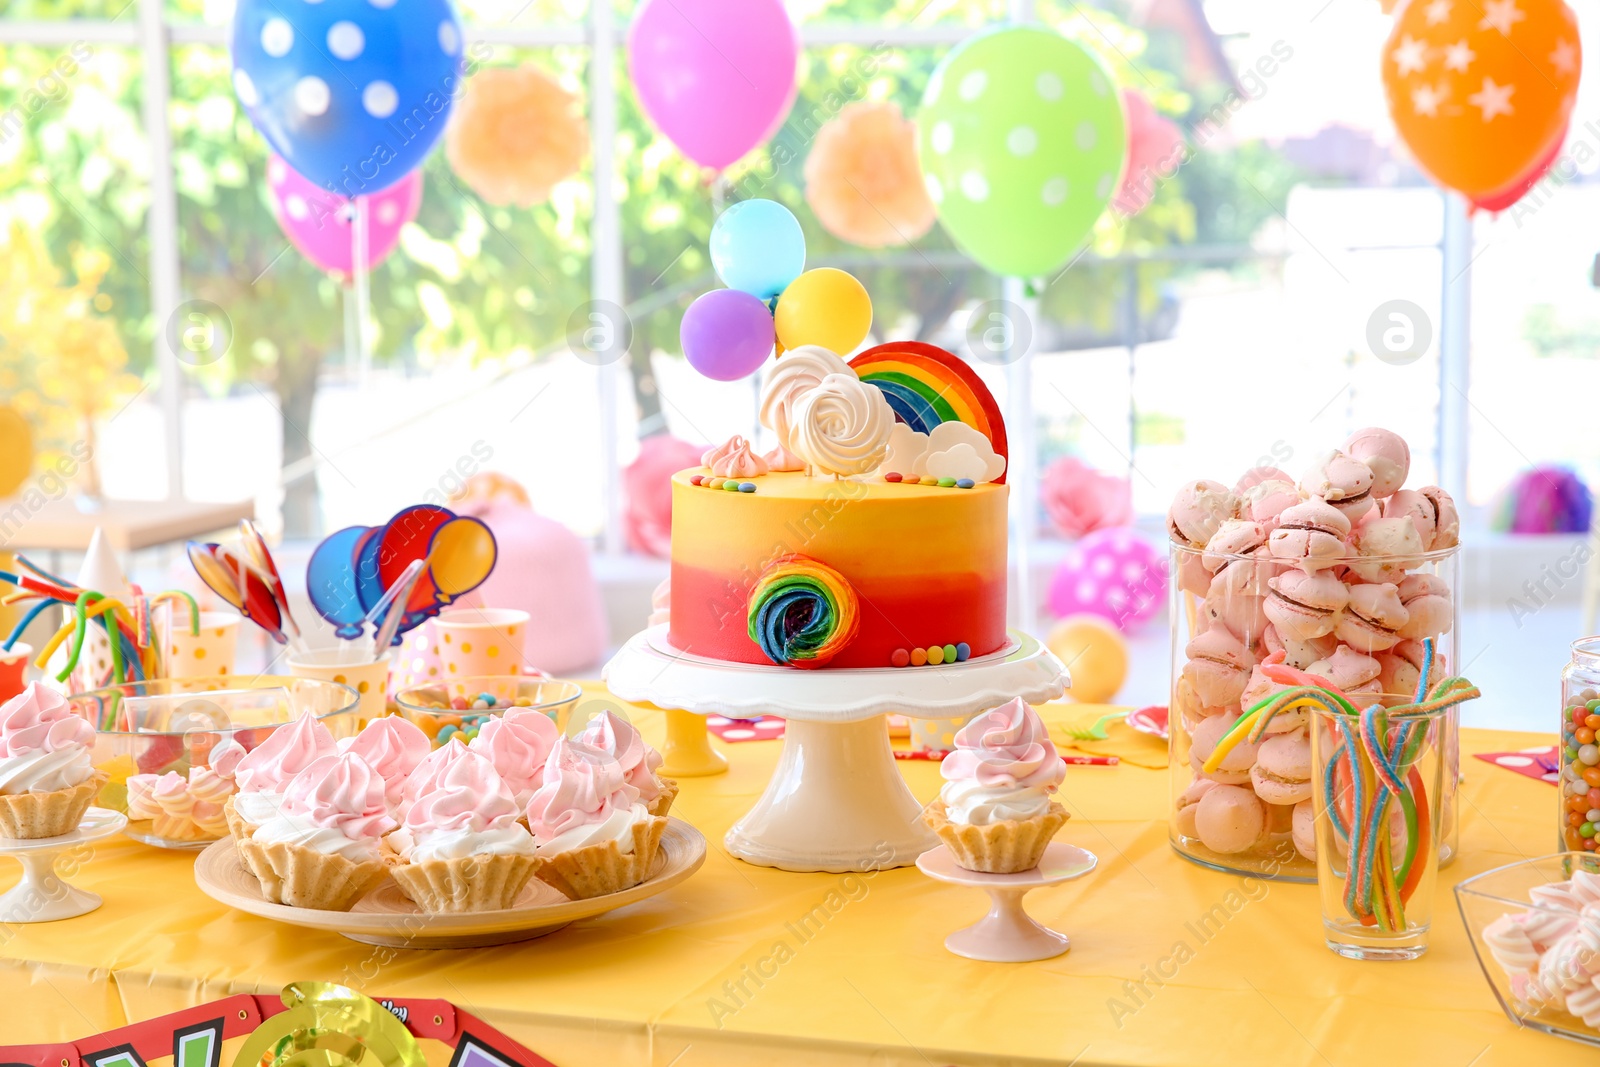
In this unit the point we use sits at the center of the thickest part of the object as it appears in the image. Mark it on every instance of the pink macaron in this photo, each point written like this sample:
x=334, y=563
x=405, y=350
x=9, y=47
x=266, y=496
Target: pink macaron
x=1304, y=605
x=1229, y=819
x=1372, y=620
x=1385, y=549
x=1446, y=523
x=1411, y=504
x=1198, y=509
x=1400, y=669
x=1385, y=453
x=1264, y=502
x=1428, y=606
x=1259, y=476
x=1218, y=667
x=1262, y=688
x=1343, y=481
x=1303, y=829
x=1240, y=614
x=1282, y=773
x=1310, y=535
x=1187, y=804
x=1193, y=577
x=1352, y=673
x=1234, y=768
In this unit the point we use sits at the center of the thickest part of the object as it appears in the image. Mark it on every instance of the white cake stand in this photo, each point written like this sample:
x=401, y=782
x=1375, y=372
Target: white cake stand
x=1007, y=934
x=836, y=801
x=42, y=896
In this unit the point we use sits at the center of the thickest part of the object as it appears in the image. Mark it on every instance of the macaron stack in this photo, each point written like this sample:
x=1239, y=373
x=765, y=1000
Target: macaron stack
x=1333, y=574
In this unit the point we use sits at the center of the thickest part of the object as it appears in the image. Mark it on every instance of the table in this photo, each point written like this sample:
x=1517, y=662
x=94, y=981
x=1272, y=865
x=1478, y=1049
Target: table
x=744, y=964
x=59, y=526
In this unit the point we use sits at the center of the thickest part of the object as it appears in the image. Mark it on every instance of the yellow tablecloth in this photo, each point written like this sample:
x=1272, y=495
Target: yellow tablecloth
x=743, y=965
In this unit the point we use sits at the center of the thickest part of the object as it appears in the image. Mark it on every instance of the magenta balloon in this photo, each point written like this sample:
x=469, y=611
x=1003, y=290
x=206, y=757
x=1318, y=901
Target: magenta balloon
x=715, y=76
x=726, y=334
x=319, y=223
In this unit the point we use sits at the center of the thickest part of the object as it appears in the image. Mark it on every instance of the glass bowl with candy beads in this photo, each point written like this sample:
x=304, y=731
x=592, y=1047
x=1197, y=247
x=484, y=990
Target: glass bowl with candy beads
x=1531, y=924
x=155, y=739
x=462, y=705
x=1578, y=750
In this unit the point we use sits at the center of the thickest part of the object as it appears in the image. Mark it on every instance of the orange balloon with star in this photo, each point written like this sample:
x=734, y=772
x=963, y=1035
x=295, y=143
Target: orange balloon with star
x=1481, y=91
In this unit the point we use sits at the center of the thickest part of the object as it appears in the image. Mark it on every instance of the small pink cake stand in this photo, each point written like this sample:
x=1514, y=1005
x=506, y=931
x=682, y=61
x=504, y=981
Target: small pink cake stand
x=1007, y=934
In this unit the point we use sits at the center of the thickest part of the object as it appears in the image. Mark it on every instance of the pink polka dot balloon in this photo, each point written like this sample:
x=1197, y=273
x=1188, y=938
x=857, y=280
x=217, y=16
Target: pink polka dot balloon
x=1115, y=574
x=319, y=223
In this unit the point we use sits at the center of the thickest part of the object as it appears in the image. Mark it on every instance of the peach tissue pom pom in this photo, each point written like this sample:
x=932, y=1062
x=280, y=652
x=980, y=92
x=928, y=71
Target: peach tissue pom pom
x=863, y=180
x=516, y=135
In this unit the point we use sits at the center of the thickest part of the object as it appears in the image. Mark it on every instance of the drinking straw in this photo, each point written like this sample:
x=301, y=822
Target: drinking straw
x=394, y=599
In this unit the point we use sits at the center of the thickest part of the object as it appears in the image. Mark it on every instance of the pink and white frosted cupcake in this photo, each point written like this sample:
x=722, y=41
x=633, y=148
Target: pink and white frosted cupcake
x=264, y=774
x=994, y=812
x=593, y=832
x=425, y=776
x=392, y=746
x=518, y=743
x=47, y=780
x=462, y=848
x=321, y=849
x=615, y=735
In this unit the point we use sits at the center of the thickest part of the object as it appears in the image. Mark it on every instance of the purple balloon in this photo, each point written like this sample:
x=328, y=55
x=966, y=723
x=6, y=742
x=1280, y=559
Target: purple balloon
x=715, y=76
x=727, y=334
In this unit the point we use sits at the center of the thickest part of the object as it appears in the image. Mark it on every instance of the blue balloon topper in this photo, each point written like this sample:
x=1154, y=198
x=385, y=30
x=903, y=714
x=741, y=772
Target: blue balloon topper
x=331, y=581
x=351, y=93
x=757, y=246
x=369, y=587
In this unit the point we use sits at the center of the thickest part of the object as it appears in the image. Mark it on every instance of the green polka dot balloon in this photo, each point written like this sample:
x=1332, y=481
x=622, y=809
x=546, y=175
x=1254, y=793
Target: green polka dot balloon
x=1022, y=142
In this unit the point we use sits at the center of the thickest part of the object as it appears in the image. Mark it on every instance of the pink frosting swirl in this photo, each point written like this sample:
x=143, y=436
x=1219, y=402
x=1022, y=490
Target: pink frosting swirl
x=286, y=752
x=781, y=459
x=734, y=460
x=518, y=743
x=469, y=796
x=617, y=737
x=225, y=758
x=340, y=792
x=393, y=747
x=39, y=719
x=582, y=786
x=427, y=774
x=1006, y=746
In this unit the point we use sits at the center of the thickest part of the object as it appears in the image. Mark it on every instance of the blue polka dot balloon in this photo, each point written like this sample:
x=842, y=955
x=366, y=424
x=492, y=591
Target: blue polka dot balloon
x=352, y=93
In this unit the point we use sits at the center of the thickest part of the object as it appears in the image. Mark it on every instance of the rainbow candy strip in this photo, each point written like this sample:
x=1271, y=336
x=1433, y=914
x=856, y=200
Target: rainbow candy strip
x=802, y=613
x=927, y=386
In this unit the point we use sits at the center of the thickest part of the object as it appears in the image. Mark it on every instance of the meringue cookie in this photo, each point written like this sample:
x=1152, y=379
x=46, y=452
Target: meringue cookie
x=842, y=426
x=1373, y=618
x=1385, y=453
x=1386, y=548
x=1343, y=481
x=1310, y=535
x=1198, y=510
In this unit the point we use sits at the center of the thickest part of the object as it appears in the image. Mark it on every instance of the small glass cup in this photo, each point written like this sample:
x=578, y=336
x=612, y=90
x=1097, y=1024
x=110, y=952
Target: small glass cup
x=1377, y=897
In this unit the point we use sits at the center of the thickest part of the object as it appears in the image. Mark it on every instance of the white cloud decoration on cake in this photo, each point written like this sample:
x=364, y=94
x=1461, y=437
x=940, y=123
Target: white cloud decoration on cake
x=842, y=426
x=797, y=371
x=906, y=447
x=956, y=450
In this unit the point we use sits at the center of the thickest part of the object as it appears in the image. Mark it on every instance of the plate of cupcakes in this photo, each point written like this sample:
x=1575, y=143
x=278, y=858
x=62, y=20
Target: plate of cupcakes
x=388, y=841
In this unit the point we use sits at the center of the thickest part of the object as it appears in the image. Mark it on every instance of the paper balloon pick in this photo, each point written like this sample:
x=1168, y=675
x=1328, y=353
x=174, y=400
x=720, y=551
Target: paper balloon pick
x=331, y=580
x=405, y=539
x=235, y=579
x=255, y=548
x=461, y=557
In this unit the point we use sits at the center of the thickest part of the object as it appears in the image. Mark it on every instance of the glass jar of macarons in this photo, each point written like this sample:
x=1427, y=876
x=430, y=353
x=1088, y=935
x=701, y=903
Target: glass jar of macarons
x=1578, y=752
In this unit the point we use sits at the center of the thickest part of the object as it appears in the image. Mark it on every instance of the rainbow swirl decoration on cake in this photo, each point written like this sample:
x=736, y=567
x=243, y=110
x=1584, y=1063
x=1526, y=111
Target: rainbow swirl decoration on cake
x=926, y=386
x=802, y=613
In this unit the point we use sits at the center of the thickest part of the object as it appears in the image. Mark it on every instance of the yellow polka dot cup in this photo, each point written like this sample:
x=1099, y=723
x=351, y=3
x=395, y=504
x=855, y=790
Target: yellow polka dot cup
x=368, y=677
x=936, y=736
x=479, y=641
x=199, y=655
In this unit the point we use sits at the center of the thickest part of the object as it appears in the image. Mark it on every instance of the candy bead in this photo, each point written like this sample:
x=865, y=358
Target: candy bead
x=947, y=483
x=919, y=656
x=747, y=487
x=449, y=731
x=935, y=654
x=458, y=703
x=963, y=652
x=899, y=657
x=949, y=653
x=930, y=481
x=698, y=479
x=965, y=483
x=1589, y=755
x=892, y=476
x=479, y=704
x=487, y=698
x=731, y=486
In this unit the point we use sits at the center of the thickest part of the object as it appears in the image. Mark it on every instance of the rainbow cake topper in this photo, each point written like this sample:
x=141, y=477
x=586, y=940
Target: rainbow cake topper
x=803, y=613
x=927, y=387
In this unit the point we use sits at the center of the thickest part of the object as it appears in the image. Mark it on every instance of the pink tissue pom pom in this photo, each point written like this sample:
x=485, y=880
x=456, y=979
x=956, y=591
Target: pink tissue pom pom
x=647, y=483
x=1081, y=500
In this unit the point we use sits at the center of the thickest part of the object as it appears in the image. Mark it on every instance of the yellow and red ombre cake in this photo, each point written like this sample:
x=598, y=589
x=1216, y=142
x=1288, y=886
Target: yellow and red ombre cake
x=927, y=563
x=874, y=535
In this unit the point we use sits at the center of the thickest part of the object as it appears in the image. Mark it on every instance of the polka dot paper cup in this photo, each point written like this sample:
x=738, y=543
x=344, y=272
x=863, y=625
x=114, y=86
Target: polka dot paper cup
x=479, y=641
x=936, y=736
x=369, y=678
x=204, y=654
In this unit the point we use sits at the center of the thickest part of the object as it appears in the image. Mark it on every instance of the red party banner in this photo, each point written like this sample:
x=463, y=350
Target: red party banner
x=309, y=1015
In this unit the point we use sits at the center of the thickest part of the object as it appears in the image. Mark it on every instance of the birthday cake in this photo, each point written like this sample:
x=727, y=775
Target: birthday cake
x=873, y=535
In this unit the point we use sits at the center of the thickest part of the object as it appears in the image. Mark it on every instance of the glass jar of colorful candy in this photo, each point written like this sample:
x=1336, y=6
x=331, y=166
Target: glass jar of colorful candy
x=1579, y=751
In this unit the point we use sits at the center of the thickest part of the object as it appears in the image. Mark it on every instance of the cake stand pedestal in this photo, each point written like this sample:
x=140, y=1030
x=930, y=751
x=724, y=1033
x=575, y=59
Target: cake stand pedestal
x=1007, y=934
x=836, y=801
x=42, y=896
x=688, y=752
